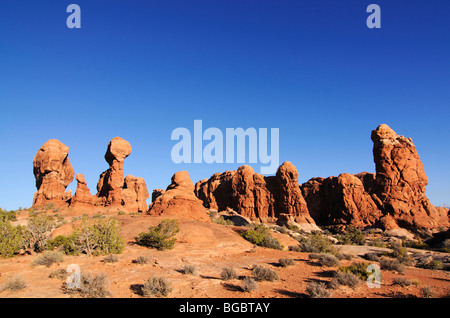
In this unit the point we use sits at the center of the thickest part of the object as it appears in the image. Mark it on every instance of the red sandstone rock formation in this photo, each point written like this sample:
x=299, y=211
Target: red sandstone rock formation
x=179, y=200
x=111, y=181
x=257, y=197
x=134, y=194
x=82, y=196
x=401, y=181
x=340, y=201
x=53, y=173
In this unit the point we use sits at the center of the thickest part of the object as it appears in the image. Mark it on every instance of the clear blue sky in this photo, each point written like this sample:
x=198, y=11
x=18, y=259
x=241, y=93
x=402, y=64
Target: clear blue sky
x=139, y=69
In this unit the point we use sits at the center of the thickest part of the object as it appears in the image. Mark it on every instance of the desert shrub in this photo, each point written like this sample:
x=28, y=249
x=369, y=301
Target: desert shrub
x=391, y=265
x=7, y=215
x=142, y=260
x=111, y=259
x=228, y=273
x=400, y=253
x=317, y=243
x=14, y=283
x=434, y=264
x=11, y=239
x=161, y=236
x=377, y=242
x=221, y=220
x=92, y=286
x=343, y=256
x=285, y=262
x=99, y=238
x=294, y=248
x=249, y=284
x=345, y=278
x=157, y=287
x=60, y=273
x=427, y=292
x=359, y=269
x=259, y=235
x=372, y=256
x=318, y=290
x=190, y=270
x=264, y=274
x=327, y=260
x=401, y=281
x=37, y=232
x=352, y=236
x=48, y=258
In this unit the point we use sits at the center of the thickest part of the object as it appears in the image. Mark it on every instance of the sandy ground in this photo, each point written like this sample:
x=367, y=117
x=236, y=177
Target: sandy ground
x=210, y=247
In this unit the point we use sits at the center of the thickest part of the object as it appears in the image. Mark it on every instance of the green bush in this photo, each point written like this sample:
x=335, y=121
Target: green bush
x=161, y=236
x=11, y=239
x=359, y=269
x=99, y=238
x=352, y=236
x=37, y=233
x=259, y=235
x=7, y=215
x=317, y=243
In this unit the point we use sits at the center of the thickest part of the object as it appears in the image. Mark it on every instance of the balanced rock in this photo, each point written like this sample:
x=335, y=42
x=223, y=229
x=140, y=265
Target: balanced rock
x=111, y=181
x=179, y=200
x=401, y=181
x=82, y=196
x=53, y=173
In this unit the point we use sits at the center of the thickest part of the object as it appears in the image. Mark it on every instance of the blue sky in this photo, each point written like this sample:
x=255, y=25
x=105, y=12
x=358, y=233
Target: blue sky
x=140, y=69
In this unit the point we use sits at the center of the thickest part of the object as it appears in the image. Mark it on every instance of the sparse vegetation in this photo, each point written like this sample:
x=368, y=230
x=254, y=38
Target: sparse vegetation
x=228, y=273
x=401, y=281
x=14, y=283
x=60, y=273
x=142, y=260
x=48, y=258
x=111, y=259
x=249, y=284
x=157, y=287
x=285, y=262
x=161, y=237
x=345, y=278
x=359, y=269
x=391, y=265
x=262, y=273
x=318, y=290
x=427, y=292
x=221, y=220
x=327, y=260
x=92, y=286
x=317, y=243
x=352, y=235
x=259, y=235
x=190, y=270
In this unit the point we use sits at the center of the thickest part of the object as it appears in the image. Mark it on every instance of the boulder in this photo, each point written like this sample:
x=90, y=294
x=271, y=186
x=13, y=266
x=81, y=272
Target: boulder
x=179, y=200
x=53, y=173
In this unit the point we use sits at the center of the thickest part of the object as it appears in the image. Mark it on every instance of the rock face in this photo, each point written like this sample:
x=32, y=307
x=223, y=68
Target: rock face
x=82, y=196
x=340, y=201
x=135, y=194
x=179, y=200
x=392, y=197
x=53, y=173
x=401, y=181
x=111, y=181
x=257, y=197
